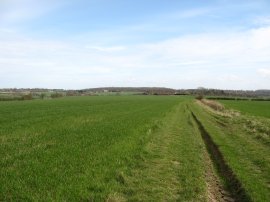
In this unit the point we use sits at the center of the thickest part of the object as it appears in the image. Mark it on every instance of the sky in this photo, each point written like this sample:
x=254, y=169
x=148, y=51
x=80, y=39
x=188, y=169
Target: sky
x=76, y=44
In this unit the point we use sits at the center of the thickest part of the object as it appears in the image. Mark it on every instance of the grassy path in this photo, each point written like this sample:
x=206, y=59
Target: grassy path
x=173, y=166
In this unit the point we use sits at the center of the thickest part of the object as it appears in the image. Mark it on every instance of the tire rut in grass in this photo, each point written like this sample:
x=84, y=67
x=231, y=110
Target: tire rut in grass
x=235, y=192
x=215, y=189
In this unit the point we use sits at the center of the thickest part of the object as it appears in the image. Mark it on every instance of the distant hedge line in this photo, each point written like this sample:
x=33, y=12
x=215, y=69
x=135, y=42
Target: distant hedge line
x=30, y=97
x=10, y=98
x=235, y=98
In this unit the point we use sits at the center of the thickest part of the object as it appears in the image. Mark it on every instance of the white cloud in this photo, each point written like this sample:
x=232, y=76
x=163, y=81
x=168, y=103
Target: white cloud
x=218, y=60
x=107, y=49
x=264, y=72
x=262, y=20
x=231, y=78
x=244, y=47
x=191, y=13
x=14, y=11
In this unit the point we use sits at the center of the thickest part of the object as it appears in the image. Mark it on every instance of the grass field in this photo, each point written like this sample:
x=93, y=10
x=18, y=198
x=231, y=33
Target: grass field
x=257, y=108
x=73, y=148
x=130, y=148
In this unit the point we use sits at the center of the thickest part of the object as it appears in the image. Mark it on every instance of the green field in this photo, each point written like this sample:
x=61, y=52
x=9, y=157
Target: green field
x=130, y=148
x=257, y=108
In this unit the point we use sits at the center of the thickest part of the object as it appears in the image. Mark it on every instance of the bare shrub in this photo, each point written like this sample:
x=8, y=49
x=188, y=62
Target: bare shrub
x=212, y=104
x=27, y=97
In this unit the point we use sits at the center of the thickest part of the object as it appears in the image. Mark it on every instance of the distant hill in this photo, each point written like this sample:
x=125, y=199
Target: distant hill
x=148, y=91
x=143, y=90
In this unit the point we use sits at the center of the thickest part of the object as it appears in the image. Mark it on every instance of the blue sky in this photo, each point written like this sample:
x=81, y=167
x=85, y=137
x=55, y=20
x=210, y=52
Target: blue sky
x=179, y=44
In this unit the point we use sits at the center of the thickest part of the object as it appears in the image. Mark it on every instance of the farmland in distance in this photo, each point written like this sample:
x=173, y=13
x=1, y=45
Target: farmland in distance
x=257, y=108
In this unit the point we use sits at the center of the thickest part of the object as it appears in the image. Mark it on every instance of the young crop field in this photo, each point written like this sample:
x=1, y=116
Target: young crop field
x=257, y=108
x=131, y=148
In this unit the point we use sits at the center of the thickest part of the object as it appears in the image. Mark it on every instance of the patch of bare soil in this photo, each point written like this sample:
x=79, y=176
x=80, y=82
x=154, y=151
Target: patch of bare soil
x=215, y=189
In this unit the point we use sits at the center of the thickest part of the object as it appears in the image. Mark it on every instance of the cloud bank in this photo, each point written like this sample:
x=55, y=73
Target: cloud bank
x=219, y=60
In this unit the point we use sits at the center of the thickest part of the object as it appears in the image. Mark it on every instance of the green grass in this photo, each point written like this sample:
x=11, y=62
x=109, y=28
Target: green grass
x=257, y=108
x=73, y=148
x=125, y=148
x=248, y=157
x=9, y=96
x=173, y=163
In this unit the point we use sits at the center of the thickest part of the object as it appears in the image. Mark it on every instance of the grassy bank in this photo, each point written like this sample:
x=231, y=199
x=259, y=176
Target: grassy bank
x=247, y=156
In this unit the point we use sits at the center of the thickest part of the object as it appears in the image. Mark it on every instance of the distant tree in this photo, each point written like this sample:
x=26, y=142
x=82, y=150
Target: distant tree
x=56, y=95
x=71, y=93
x=27, y=96
x=199, y=97
x=42, y=95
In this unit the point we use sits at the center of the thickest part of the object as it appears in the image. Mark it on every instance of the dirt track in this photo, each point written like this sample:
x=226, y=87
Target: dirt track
x=216, y=191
